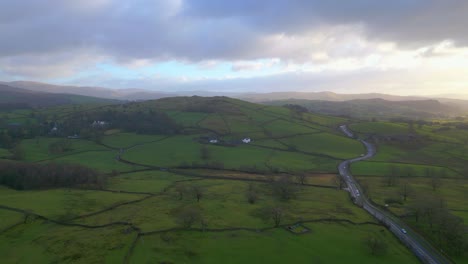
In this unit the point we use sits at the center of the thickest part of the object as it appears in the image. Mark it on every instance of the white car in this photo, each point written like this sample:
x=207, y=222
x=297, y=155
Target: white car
x=403, y=231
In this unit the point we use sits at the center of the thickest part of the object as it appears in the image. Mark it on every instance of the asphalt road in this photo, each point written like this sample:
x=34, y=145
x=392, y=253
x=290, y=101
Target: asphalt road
x=418, y=245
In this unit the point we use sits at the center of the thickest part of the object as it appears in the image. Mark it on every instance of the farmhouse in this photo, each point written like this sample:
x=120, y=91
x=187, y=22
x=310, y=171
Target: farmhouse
x=99, y=123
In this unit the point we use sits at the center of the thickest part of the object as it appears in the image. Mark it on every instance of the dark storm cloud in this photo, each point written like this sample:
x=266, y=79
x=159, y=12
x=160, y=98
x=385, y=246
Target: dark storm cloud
x=405, y=21
x=197, y=30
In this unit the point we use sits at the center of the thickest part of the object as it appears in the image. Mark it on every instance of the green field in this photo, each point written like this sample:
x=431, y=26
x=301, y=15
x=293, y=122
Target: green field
x=431, y=163
x=62, y=202
x=154, y=178
x=326, y=243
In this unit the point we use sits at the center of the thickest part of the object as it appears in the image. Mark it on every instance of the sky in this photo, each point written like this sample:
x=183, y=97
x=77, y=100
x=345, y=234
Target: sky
x=407, y=47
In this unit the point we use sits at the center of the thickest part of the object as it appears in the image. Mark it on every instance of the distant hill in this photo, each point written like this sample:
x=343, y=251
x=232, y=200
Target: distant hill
x=119, y=94
x=380, y=108
x=323, y=96
x=143, y=94
x=12, y=97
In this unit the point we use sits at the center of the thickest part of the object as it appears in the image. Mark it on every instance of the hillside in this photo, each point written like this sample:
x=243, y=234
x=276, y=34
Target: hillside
x=99, y=92
x=13, y=97
x=323, y=96
x=178, y=180
x=378, y=108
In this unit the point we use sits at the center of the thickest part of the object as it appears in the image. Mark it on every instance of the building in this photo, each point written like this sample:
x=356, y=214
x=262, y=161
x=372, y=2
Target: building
x=99, y=123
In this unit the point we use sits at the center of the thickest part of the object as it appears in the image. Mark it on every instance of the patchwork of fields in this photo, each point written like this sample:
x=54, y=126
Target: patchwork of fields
x=180, y=199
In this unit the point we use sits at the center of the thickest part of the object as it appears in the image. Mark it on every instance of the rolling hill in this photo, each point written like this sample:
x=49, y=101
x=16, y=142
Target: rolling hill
x=13, y=98
x=379, y=108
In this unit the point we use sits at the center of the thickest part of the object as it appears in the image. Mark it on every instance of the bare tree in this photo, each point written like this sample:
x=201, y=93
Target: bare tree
x=405, y=190
x=338, y=182
x=187, y=216
x=181, y=189
x=277, y=214
x=376, y=245
x=284, y=188
x=273, y=214
x=435, y=182
x=392, y=177
x=205, y=153
x=198, y=192
x=301, y=178
x=251, y=194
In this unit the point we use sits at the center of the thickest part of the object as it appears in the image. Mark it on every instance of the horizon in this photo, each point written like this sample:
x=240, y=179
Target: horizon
x=300, y=46
x=458, y=96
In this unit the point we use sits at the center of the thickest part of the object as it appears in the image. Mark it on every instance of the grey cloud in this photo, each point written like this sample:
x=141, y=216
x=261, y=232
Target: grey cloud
x=212, y=29
x=406, y=21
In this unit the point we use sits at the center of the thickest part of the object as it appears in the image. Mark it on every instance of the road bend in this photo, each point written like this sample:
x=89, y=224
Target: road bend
x=417, y=244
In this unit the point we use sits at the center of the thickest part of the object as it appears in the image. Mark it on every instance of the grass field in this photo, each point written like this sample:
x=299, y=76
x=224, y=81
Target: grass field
x=62, y=202
x=326, y=243
x=126, y=140
x=9, y=218
x=454, y=192
x=381, y=128
x=146, y=181
x=326, y=143
x=145, y=198
x=435, y=149
x=372, y=168
x=224, y=205
x=38, y=149
x=4, y=153
x=49, y=243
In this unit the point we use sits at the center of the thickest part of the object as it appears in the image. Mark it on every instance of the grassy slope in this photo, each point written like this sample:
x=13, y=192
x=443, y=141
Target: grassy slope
x=442, y=151
x=326, y=243
x=224, y=203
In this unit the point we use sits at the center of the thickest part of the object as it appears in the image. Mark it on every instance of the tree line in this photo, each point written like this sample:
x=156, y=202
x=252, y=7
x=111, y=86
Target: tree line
x=29, y=176
x=142, y=122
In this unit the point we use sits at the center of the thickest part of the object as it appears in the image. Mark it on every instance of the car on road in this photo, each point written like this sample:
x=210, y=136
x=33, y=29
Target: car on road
x=403, y=231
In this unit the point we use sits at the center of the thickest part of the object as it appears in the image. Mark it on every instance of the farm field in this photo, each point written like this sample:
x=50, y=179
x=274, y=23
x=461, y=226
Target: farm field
x=223, y=206
x=406, y=175
x=174, y=196
x=278, y=246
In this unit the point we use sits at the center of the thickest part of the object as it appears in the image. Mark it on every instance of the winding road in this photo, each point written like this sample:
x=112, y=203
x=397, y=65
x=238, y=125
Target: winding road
x=418, y=245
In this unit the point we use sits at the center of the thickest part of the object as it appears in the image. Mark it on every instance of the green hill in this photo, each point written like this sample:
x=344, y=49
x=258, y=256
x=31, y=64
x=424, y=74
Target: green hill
x=14, y=98
x=172, y=181
x=379, y=108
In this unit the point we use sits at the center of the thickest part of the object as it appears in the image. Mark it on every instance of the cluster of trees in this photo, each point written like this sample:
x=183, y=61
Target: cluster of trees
x=375, y=245
x=284, y=187
x=394, y=176
x=189, y=215
x=26, y=176
x=297, y=111
x=447, y=230
x=60, y=146
x=210, y=105
x=10, y=135
x=195, y=191
x=142, y=122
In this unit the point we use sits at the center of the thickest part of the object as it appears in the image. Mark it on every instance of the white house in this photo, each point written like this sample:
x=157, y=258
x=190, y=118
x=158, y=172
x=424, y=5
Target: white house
x=246, y=140
x=99, y=123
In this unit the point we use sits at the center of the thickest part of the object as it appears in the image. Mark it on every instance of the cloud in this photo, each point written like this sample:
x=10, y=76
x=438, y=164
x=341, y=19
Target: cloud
x=403, y=21
x=60, y=64
x=45, y=39
x=210, y=29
